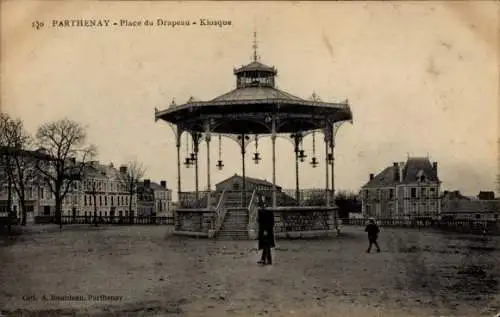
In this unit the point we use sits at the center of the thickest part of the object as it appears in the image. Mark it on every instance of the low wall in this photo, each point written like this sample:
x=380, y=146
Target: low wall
x=304, y=222
x=189, y=220
x=289, y=222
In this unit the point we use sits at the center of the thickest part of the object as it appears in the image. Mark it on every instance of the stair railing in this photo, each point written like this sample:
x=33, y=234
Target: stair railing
x=220, y=212
x=253, y=209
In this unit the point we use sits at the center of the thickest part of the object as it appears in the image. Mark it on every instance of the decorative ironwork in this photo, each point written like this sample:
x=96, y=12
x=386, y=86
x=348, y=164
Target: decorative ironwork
x=255, y=47
x=330, y=158
x=190, y=200
x=256, y=155
x=194, y=145
x=307, y=197
x=242, y=140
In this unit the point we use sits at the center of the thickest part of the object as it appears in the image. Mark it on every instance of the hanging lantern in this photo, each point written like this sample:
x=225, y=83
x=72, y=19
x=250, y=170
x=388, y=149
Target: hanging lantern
x=256, y=158
x=314, y=160
x=220, y=165
x=256, y=155
x=192, y=155
x=302, y=155
x=187, y=161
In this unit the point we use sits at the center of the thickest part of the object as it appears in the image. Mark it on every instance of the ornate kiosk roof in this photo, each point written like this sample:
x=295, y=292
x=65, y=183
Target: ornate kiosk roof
x=247, y=109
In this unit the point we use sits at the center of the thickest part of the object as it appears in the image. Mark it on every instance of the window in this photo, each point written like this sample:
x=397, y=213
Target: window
x=100, y=200
x=112, y=201
x=423, y=192
x=105, y=200
x=391, y=193
x=413, y=192
x=85, y=201
x=432, y=192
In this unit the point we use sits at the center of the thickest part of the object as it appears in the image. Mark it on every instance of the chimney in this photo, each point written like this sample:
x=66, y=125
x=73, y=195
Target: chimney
x=371, y=176
x=123, y=169
x=401, y=169
x=395, y=167
x=147, y=182
x=163, y=184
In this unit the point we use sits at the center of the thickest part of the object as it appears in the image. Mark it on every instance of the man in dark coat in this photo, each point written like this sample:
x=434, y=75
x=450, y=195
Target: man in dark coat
x=372, y=229
x=266, y=232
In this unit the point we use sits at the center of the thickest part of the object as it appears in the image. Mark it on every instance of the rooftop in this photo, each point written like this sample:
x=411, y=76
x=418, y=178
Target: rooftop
x=412, y=170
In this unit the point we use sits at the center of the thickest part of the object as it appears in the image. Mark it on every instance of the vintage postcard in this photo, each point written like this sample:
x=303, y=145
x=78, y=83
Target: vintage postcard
x=270, y=158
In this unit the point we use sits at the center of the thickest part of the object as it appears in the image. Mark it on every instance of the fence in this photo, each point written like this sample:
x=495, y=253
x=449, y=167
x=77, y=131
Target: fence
x=491, y=227
x=193, y=200
x=68, y=220
x=307, y=197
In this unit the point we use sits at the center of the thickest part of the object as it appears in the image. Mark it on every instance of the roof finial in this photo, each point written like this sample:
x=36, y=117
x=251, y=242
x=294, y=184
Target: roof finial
x=314, y=96
x=254, y=46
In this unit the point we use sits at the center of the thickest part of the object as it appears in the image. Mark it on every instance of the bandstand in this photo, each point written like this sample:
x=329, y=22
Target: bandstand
x=254, y=110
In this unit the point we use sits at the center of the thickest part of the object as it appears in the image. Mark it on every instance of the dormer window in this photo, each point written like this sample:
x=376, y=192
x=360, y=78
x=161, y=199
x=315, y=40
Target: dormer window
x=420, y=176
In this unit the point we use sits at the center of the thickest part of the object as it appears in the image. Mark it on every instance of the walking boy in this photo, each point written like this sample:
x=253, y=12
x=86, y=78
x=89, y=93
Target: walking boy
x=372, y=229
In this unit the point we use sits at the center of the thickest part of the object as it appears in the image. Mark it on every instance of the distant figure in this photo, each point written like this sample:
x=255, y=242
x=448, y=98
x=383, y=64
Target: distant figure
x=266, y=232
x=372, y=230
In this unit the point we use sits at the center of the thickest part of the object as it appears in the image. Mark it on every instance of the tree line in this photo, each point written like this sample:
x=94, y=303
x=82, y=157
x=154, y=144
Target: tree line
x=56, y=157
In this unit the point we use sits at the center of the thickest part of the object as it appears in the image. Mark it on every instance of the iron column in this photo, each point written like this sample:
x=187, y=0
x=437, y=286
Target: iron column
x=273, y=139
x=178, y=145
x=209, y=197
x=242, y=143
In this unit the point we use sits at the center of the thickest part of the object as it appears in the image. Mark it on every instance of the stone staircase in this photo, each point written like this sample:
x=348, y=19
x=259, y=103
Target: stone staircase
x=235, y=225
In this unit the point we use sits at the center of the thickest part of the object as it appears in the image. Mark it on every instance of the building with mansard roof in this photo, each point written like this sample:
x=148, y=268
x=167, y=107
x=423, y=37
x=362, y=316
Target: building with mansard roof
x=38, y=197
x=101, y=190
x=404, y=190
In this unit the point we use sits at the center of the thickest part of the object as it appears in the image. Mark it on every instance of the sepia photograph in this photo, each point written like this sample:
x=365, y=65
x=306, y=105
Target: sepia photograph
x=249, y=158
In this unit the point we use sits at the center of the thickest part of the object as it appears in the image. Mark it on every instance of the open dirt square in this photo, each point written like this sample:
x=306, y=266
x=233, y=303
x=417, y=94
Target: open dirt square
x=145, y=271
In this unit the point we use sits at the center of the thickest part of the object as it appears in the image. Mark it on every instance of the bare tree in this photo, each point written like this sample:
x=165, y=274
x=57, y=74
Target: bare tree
x=20, y=161
x=65, y=141
x=5, y=163
x=93, y=191
x=130, y=176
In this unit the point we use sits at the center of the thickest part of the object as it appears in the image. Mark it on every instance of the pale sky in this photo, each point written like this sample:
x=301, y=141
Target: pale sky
x=422, y=78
